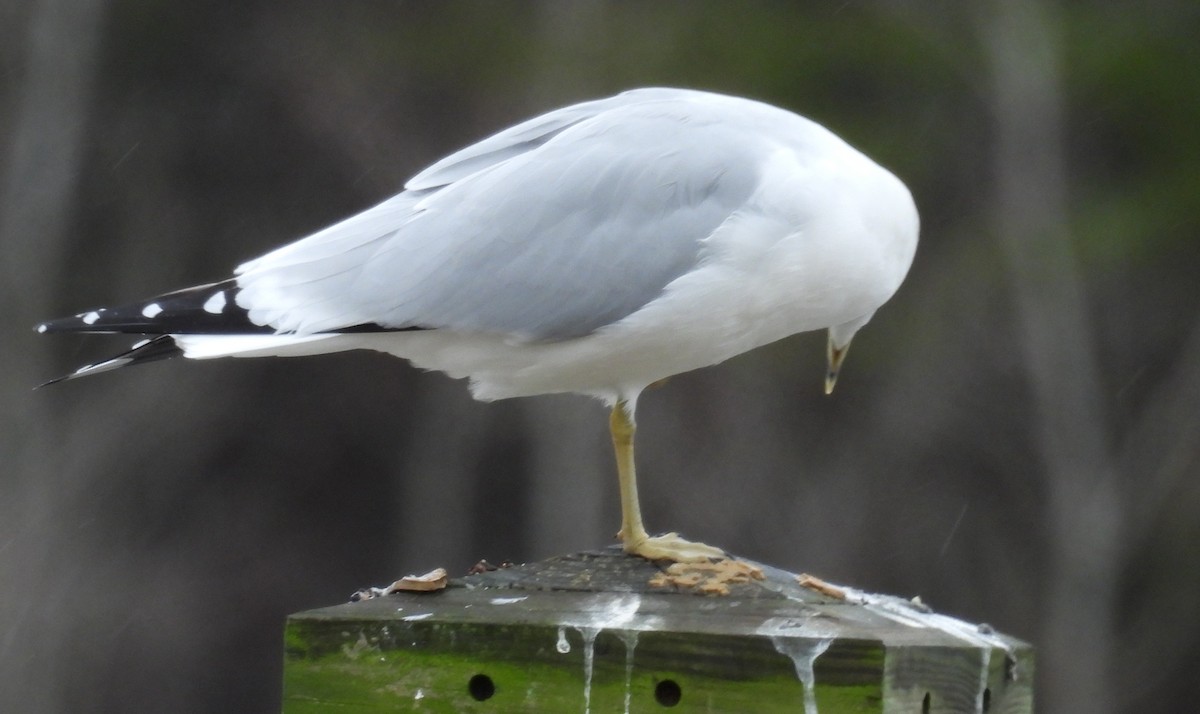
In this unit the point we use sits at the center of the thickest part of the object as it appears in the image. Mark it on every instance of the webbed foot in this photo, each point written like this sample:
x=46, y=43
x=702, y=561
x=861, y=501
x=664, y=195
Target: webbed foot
x=671, y=546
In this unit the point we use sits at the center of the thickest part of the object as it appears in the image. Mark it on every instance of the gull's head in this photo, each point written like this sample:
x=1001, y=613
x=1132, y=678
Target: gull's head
x=892, y=224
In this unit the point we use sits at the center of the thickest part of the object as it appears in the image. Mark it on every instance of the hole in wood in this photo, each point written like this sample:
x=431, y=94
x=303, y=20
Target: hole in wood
x=481, y=687
x=987, y=700
x=925, y=704
x=668, y=693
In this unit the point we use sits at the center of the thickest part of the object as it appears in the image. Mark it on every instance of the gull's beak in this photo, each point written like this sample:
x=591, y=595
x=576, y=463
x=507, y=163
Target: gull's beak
x=834, y=355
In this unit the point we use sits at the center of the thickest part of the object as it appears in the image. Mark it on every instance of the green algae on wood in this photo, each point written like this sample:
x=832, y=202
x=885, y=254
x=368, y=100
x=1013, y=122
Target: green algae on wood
x=588, y=633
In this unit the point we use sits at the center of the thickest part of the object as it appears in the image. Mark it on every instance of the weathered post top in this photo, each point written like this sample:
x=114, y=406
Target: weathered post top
x=606, y=632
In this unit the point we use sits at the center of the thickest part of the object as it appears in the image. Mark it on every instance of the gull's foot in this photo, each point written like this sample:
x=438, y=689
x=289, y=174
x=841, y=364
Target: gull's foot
x=671, y=547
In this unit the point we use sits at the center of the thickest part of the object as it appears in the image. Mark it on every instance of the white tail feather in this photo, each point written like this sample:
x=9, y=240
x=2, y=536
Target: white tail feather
x=210, y=346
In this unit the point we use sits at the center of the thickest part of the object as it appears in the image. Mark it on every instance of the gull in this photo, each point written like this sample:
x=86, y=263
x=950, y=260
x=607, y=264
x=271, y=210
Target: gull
x=598, y=249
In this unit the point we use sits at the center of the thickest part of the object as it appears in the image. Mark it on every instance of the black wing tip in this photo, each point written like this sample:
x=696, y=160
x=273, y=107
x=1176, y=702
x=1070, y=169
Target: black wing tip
x=202, y=309
x=150, y=350
x=209, y=309
x=66, y=324
x=56, y=380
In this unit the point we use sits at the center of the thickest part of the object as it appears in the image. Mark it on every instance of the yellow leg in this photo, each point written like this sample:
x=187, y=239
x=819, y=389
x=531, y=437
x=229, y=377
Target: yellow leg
x=622, y=428
x=633, y=534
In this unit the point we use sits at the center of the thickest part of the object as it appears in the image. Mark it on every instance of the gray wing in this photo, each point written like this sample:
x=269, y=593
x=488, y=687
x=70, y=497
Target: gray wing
x=529, y=135
x=548, y=230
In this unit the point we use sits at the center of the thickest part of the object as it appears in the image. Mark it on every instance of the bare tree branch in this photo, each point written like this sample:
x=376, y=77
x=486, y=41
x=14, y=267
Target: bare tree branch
x=1059, y=353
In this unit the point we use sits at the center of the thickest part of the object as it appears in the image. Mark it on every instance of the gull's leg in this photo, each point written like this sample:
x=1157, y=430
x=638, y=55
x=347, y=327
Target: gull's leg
x=633, y=534
x=620, y=423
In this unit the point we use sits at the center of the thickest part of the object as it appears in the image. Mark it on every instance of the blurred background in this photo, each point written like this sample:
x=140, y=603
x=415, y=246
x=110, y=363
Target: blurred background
x=1015, y=438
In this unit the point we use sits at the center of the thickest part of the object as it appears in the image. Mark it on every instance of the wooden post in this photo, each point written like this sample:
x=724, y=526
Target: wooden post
x=606, y=632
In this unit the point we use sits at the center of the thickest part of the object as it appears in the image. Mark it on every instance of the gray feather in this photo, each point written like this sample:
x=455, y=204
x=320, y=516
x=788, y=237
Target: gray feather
x=549, y=230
